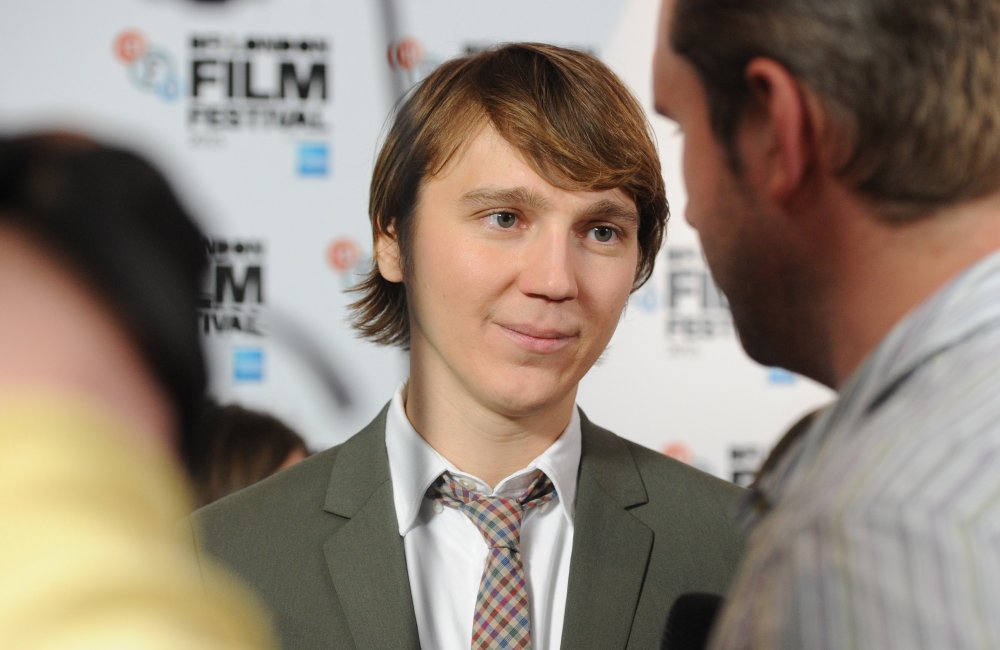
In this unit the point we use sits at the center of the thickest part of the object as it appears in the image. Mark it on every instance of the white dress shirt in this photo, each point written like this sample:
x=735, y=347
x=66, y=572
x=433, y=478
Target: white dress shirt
x=446, y=553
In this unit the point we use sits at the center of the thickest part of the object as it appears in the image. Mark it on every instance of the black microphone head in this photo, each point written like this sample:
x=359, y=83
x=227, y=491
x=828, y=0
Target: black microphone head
x=690, y=621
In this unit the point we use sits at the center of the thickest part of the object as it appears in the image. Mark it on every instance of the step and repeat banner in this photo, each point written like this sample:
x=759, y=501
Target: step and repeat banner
x=267, y=115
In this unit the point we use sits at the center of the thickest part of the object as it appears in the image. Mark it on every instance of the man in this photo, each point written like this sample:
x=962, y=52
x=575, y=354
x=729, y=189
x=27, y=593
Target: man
x=100, y=370
x=516, y=203
x=843, y=169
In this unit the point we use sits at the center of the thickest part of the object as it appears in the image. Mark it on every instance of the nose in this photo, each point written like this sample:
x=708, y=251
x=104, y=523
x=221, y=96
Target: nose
x=689, y=217
x=548, y=268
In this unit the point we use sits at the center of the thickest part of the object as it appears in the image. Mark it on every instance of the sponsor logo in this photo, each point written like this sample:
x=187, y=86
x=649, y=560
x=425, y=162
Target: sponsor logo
x=233, y=299
x=248, y=364
x=679, y=451
x=150, y=68
x=346, y=258
x=409, y=57
x=647, y=299
x=258, y=83
x=780, y=377
x=696, y=310
x=684, y=453
x=314, y=159
x=407, y=54
x=744, y=461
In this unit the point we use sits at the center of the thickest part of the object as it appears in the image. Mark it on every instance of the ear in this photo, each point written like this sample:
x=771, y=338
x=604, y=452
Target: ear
x=778, y=137
x=390, y=265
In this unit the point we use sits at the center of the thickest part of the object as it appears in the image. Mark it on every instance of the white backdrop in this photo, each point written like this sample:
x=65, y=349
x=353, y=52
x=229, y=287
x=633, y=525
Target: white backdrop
x=267, y=115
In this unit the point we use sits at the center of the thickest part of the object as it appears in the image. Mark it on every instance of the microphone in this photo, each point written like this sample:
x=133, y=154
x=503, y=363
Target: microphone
x=690, y=621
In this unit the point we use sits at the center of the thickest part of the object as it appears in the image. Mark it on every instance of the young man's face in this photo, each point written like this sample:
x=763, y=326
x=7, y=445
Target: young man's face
x=517, y=285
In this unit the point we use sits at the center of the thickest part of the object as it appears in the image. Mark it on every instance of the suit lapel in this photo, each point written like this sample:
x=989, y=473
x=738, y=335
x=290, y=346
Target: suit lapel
x=610, y=547
x=365, y=555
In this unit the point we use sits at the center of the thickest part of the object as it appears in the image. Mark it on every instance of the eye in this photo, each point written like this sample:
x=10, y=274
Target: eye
x=503, y=220
x=603, y=234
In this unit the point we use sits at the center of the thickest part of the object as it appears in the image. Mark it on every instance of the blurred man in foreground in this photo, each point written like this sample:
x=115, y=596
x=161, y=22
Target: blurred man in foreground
x=515, y=205
x=100, y=369
x=842, y=161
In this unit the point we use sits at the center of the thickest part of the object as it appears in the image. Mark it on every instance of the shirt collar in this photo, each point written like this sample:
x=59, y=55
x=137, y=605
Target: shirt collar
x=414, y=465
x=965, y=305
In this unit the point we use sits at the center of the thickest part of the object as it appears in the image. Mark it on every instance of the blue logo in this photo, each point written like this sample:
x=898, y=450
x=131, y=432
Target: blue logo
x=248, y=364
x=314, y=159
x=150, y=68
x=780, y=376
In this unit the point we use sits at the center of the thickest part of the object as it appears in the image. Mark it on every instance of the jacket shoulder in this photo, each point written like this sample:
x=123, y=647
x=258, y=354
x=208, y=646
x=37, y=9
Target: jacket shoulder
x=294, y=499
x=672, y=498
x=660, y=472
x=244, y=530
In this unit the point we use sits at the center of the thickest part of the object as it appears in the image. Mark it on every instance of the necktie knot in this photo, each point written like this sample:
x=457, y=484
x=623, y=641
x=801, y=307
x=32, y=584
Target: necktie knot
x=497, y=518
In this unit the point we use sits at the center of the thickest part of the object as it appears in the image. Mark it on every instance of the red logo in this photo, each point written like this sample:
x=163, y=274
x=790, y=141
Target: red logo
x=406, y=54
x=680, y=451
x=343, y=254
x=129, y=46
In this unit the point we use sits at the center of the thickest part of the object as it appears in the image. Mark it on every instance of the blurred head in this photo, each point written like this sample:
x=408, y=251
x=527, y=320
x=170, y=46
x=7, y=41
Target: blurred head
x=236, y=447
x=909, y=88
x=114, y=222
x=564, y=111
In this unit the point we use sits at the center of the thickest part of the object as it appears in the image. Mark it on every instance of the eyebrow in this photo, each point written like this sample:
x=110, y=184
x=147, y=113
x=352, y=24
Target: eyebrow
x=612, y=211
x=493, y=196
x=522, y=196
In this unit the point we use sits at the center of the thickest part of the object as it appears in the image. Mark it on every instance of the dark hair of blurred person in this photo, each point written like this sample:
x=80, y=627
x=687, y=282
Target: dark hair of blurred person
x=100, y=368
x=117, y=225
x=237, y=447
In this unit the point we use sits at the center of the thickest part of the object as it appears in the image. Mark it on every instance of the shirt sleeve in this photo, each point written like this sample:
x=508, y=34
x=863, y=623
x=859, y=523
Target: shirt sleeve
x=888, y=575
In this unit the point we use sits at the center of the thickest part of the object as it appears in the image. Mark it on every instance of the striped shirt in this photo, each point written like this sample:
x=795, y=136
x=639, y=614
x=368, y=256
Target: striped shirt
x=880, y=528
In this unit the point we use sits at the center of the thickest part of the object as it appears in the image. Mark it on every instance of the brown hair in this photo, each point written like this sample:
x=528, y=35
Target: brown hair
x=237, y=447
x=911, y=88
x=574, y=120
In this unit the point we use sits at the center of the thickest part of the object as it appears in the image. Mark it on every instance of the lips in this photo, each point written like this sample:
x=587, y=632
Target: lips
x=538, y=339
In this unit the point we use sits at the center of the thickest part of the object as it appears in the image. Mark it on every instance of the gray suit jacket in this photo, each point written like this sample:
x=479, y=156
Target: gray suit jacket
x=320, y=544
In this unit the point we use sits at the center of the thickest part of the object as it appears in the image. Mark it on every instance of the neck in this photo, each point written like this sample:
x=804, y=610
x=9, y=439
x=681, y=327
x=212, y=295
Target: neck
x=890, y=269
x=479, y=440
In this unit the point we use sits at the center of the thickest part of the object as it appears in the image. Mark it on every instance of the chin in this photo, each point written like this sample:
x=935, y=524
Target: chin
x=759, y=343
x=526, y=400
x=518, y=406
x=776, y=351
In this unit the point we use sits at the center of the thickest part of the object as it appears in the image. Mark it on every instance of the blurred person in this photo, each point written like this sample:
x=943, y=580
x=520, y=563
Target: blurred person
x=515, y=204
x=842, y=161
x=100, y=368
x=237, y=447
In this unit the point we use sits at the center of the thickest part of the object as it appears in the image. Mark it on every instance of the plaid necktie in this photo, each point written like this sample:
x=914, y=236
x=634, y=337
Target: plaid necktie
x=502, y=619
